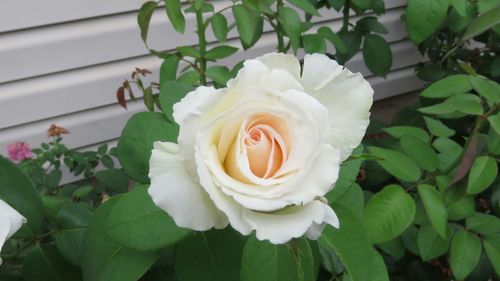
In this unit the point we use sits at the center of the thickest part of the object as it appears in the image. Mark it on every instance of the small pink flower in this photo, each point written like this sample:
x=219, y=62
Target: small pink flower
x=19, y=151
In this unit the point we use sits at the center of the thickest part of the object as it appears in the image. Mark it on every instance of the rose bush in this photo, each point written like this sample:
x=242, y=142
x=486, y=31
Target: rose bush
x=10, y=222
x=260, y=153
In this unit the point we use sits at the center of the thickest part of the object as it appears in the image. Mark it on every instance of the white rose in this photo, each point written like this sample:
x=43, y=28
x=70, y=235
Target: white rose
x=10, y=222
x=260, y=153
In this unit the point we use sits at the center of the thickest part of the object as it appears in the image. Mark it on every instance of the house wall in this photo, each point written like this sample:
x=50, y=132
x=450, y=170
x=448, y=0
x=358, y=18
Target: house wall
x=61, y=62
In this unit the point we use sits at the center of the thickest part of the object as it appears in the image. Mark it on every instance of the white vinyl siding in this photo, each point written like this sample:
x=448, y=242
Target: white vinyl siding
x=61, y=62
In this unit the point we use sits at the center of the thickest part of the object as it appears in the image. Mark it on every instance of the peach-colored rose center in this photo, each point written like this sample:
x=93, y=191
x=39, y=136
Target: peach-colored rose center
x=267, y=144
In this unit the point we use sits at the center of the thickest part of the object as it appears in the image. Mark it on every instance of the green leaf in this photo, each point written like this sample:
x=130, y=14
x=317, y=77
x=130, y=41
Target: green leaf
x=17, y=190
x=486, y=5
x=462, y=208
x=464, y=253
x=395, y=248
x=102, y=149
x=220, y=74
x=245, y=22
x=483, y=223
x=283, y=262
x=351, y=197
x=492, y=247
x=188, y=51
x=464, y=103
x=410, y=237
x=489, y=89
x=171, y=92
x=136, y=142
x=430, y=244
x=495, y=122
x=437, y=128
x=149, y=99
x=482, y=174
x=107, y=161
x=144, y=18
x=43, y=263
x=352, y=245
x=423, y=17
x=174, y=13
x=397, y=164
x=449, y=152
x=291, y=23
x=482, y=23
x=377, y=54
x=461, y=7
x=363, y=4
x=190, y=77
x=495, y=67
x=313, y=43
x=352, y=40
x=135, y=222
x=168, y=69
x=349, y=170
x=451, y=85
x=104, y=259
x=431, y=72
x=220, y=52
x=388, y=213
x=216, y=253
x=83, y=191
x=434, y=207
x=306, y=6
x=421, y=152
x=219, y=27
x=371, y=24
x=402, y=131
x=333, y=38
x=72, y=221
x=493, y=142
x=114, y=179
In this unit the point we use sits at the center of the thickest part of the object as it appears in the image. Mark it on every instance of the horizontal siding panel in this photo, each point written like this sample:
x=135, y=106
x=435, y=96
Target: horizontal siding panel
x=105, y=123
x=16, y=14
x=68, y=92
x=78, y=44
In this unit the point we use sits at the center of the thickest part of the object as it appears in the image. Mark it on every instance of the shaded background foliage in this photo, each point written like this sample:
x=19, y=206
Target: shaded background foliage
x=419, y=200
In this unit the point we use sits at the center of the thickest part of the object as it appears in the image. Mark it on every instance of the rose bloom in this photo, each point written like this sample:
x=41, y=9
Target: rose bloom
x=19, y=151
x=261, y=153
x=10, y=222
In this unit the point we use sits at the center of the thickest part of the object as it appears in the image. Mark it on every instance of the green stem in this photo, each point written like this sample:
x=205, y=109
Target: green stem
x=203, y=47
x=345, y=19
x=279, y=30
x=477, y=128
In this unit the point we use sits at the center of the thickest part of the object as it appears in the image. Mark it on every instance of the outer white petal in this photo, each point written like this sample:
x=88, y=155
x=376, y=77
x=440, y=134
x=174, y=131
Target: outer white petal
x=194, y=102
x=319, y=179
x=282, y=61
x=347, y=96
x=10, y=222
x=281, y=226
x=178, y=193
x=330, y=218
x=225, y=203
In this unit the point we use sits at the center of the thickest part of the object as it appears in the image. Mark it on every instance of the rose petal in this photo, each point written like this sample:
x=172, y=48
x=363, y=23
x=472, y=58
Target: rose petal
x=10, y=222
x=195, y=102
x=178, y=194
x=292, y=222
x=347, y=96
x=282, y=61
x=330, y=218
x=224, y=202
x=317, y=181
